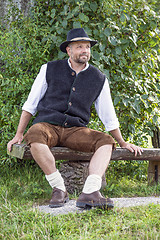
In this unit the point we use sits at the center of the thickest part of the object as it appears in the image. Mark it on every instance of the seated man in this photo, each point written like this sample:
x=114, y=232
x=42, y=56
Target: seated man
x=63, y=94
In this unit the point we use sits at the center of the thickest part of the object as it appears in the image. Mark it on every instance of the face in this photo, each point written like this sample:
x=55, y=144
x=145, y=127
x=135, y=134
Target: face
x=79, y=52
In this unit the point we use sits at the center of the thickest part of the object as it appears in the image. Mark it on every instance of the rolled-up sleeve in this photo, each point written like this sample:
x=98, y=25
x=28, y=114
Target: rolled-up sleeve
x=37, y=92
x=105, y=109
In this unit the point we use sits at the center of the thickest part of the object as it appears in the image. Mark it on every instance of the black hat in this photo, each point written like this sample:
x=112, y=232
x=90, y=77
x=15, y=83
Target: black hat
x=75, y=35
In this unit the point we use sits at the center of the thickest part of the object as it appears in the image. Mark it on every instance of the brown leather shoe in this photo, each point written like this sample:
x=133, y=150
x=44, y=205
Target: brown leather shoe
x=59, y=198
x=94, y=199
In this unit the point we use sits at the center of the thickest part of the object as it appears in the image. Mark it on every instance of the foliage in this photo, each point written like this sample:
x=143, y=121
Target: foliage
x=128, y=53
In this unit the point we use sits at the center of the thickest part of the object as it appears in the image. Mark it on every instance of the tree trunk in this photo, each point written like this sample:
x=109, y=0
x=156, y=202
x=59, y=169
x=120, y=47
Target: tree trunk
x=156, y=138
x=74, y=174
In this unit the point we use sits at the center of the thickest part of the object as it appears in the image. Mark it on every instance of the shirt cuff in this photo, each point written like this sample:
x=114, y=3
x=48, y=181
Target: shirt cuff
x=28, y=108
x=109, y=126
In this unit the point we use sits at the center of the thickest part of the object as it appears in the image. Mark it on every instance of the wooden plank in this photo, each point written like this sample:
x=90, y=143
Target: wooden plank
x=61, y=153
x=154, y=172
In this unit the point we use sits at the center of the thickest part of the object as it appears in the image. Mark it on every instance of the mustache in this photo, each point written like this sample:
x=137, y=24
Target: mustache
x=84, y=54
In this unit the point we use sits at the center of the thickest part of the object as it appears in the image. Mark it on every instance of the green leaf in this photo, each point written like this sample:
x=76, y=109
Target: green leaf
x=96, y=55
x=93, y=6
x=106, y=59
x=131, y=127
x=154, y=119
x=77, y=25
x=136, y=106
x=124, y=41
x=145, y=96
x=127, y=16
x=116, y=100
x=102, y=47
x=118, y=50
x=83, y=17
x=107, y=73
x=125, y=101
x=64, y=23
x=153, y=24
x=112, y=40
x=135, y=37
x=107, y=31
x=144, y=68
x=53, y=12
x=122, y=18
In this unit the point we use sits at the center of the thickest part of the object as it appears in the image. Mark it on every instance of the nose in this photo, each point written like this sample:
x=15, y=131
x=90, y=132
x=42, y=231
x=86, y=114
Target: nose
x=85, y=50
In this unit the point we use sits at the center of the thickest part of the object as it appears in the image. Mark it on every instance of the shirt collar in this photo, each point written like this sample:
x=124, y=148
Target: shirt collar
x=87, y=65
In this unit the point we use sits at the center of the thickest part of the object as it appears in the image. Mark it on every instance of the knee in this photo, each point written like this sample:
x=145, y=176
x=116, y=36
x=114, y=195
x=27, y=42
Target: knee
x=37, y=146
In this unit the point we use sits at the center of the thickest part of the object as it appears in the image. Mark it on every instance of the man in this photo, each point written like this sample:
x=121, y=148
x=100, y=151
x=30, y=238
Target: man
x=63, y=94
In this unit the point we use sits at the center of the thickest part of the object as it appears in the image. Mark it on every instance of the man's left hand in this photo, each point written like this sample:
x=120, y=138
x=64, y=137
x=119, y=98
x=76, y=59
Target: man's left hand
x=132, y=148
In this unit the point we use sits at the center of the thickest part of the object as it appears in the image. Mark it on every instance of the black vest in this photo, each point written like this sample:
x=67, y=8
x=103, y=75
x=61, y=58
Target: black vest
x=69, y=97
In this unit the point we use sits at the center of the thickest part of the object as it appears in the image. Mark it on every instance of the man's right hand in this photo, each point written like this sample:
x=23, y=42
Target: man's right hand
x=17, y=139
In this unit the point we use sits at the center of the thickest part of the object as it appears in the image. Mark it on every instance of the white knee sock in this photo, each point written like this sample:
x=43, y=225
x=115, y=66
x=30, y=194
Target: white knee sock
x=93, y=183
x=55, y=180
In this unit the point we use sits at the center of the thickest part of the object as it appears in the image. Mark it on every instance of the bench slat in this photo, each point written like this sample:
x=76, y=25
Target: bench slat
x=22, y=151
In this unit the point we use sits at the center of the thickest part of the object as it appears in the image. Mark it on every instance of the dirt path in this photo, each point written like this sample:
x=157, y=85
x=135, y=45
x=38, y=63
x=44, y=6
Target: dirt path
x=70, y=207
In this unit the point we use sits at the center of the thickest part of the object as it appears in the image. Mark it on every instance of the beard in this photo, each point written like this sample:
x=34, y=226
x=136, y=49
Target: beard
x=82, y=58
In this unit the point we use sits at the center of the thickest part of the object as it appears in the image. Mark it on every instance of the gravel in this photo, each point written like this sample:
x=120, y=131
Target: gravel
x=70, y=207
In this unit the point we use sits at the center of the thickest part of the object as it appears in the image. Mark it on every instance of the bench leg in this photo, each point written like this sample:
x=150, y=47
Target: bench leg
x=154, y=172
x=74, y=174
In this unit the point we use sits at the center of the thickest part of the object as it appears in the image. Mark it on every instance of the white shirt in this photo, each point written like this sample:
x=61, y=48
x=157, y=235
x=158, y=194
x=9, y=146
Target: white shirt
x=103, y=104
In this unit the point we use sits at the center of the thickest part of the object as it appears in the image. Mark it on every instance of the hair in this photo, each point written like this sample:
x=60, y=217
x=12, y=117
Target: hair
x=70, y=45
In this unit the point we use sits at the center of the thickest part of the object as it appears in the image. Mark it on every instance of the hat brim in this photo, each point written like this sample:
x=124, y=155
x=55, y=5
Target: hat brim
x=65, y=44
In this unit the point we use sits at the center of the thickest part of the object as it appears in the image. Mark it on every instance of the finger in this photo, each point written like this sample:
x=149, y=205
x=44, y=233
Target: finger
x=140, y=151
x=134, y=149
x=9, y=146
x=130, y=148
x=135, y=152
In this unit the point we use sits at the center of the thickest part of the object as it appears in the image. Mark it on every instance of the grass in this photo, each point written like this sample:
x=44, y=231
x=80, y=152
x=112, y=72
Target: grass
x=134, y=223
x=23, y=185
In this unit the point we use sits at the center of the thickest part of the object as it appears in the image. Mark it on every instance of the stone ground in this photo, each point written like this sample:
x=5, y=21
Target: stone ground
x=70, y=207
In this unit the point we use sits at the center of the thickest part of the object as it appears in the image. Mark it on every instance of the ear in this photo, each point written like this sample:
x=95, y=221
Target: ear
x=68, y=49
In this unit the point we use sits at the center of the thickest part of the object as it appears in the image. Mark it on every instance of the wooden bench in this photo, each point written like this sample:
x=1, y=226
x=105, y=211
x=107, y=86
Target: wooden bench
x=75, y=167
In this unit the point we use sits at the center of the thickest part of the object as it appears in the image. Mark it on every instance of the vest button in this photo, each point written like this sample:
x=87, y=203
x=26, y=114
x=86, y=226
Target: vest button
x=73, y=73
x=74, y=89
x=70, y=104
